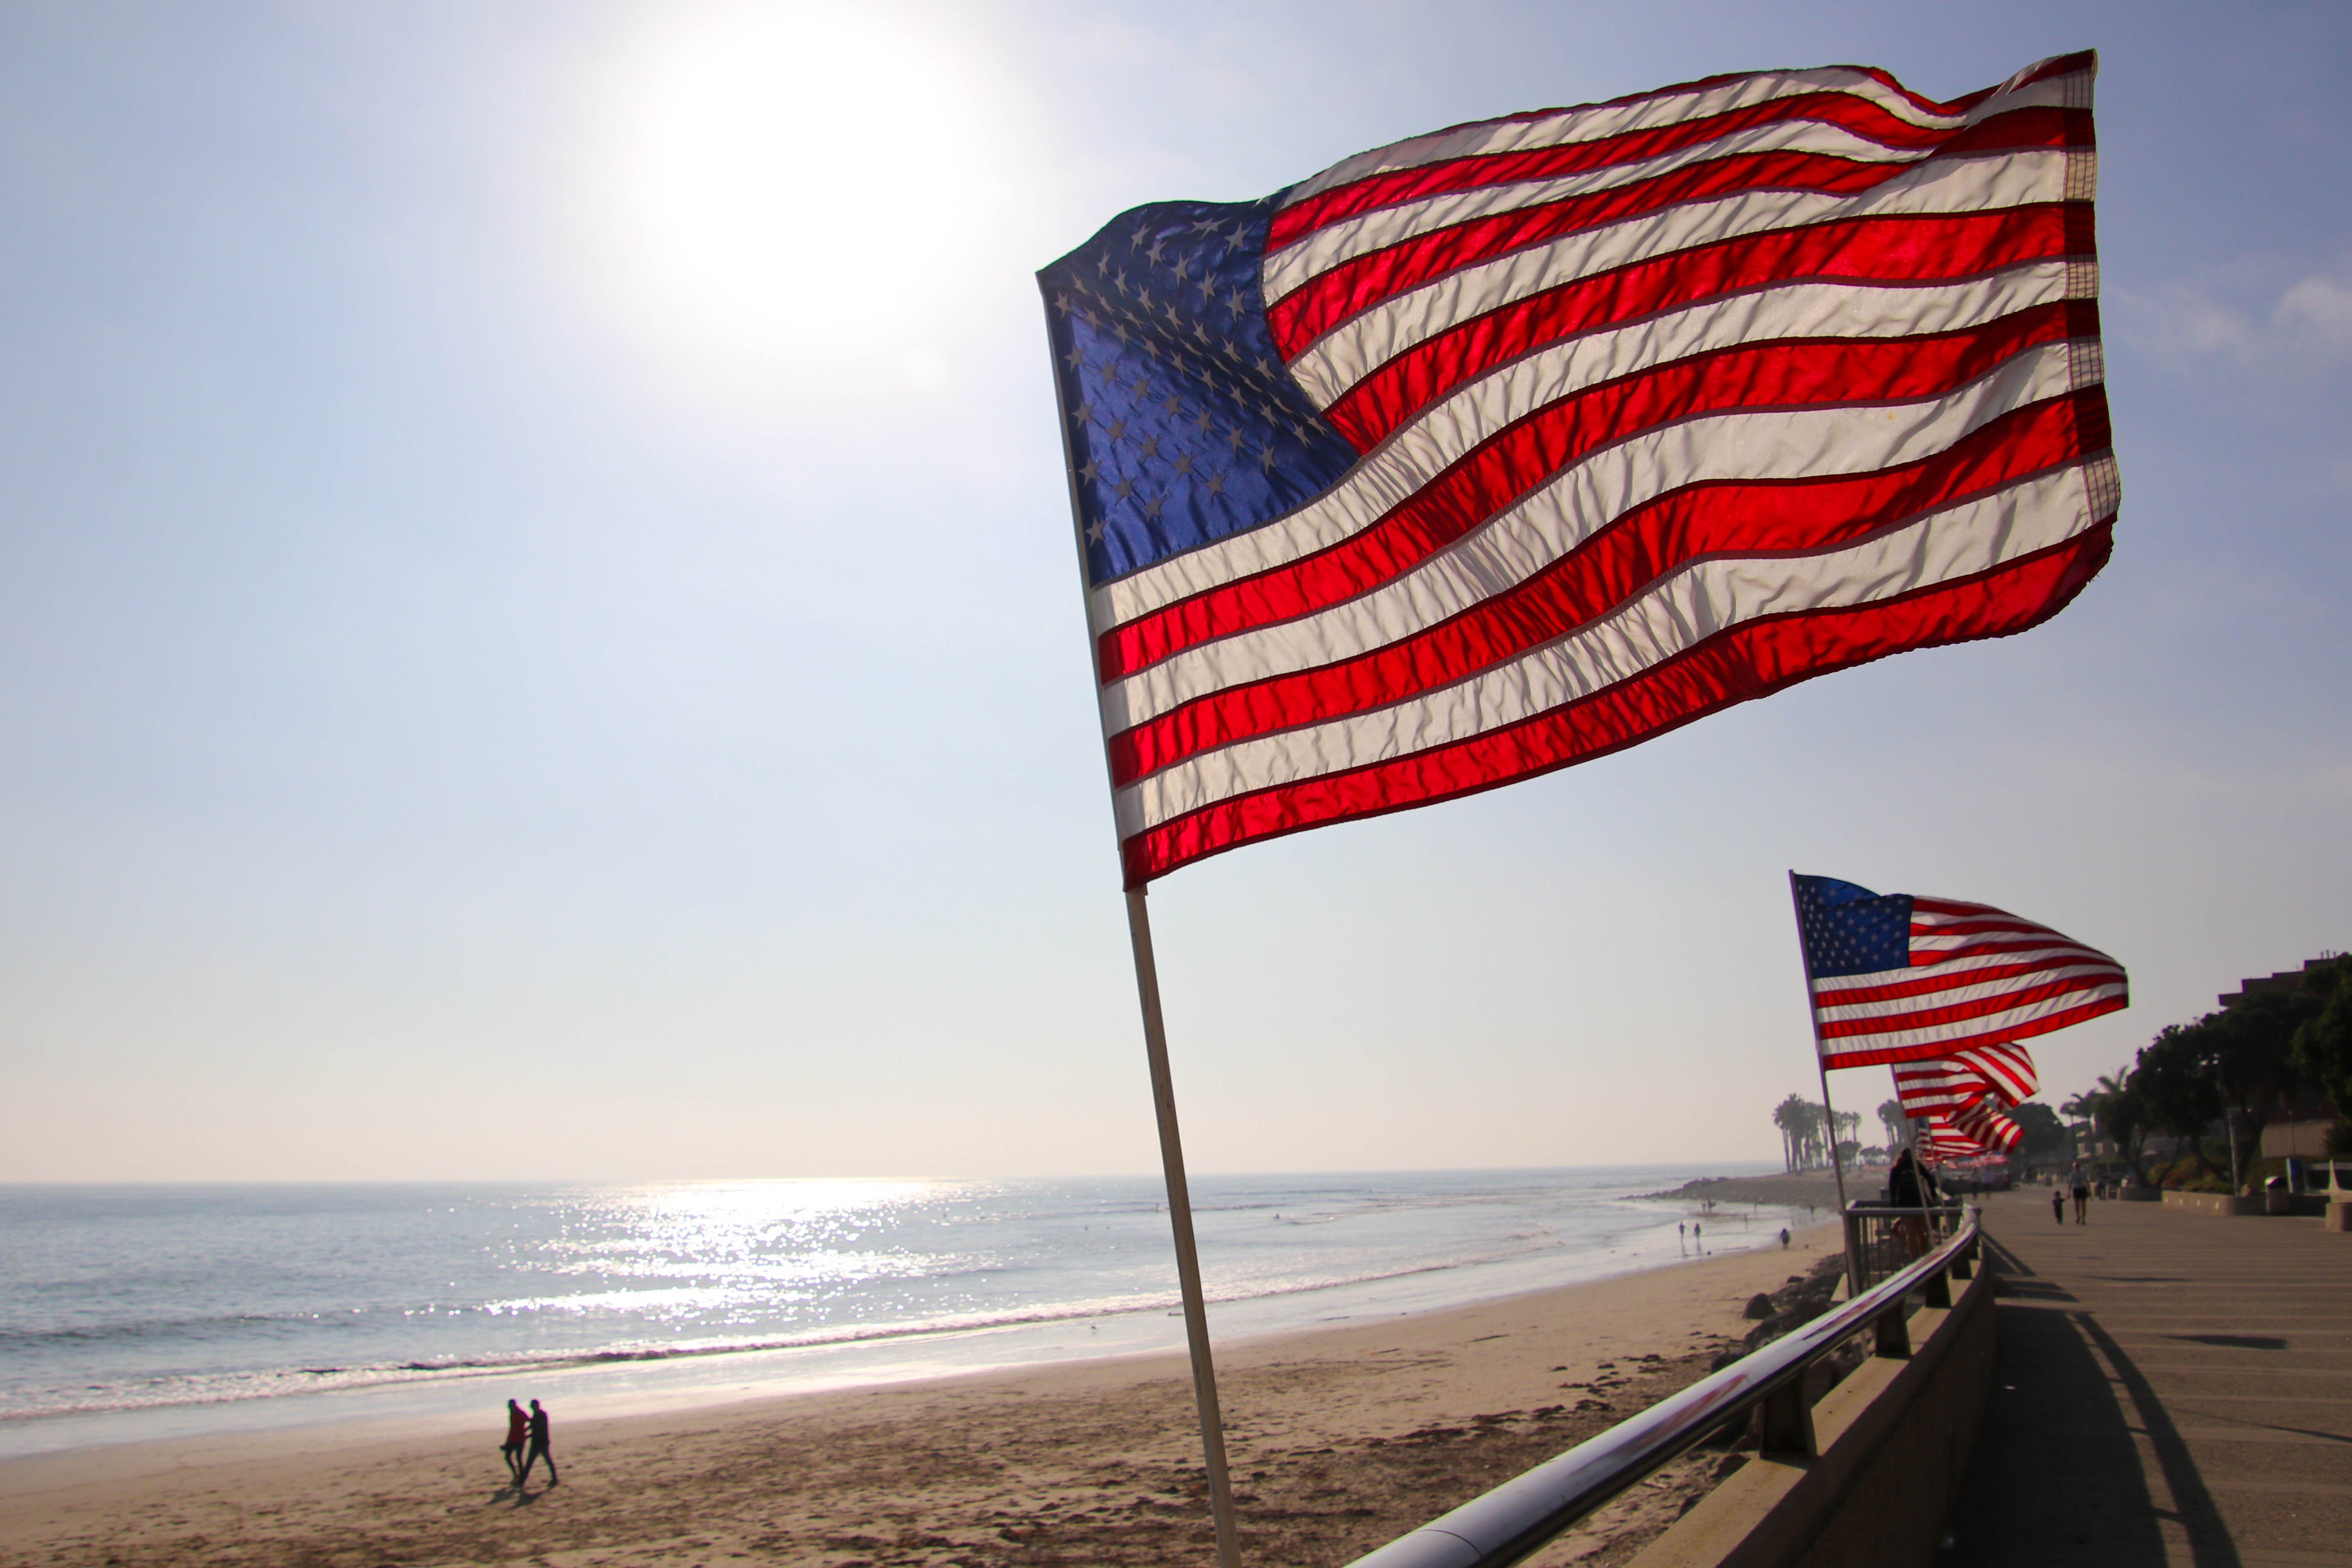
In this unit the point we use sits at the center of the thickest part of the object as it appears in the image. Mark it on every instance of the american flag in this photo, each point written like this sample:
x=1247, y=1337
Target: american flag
x=1961, y=1099
x=1980, y=1129
x=1905, y=978
x=2002, y=1073
x=1500, y=448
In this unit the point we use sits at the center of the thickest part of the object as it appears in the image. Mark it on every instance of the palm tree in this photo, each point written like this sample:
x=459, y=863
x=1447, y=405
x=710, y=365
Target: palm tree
x=1790, y=1117
x=2085, y=1108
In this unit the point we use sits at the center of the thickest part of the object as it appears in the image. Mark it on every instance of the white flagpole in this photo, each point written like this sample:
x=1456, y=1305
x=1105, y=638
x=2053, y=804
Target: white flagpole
x=1813, y=1017
x=1163, y=1105
x=1180, y=1216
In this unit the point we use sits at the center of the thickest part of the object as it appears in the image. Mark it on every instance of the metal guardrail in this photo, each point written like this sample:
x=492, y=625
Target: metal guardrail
x=1514, y=1520
x=1880, y=1240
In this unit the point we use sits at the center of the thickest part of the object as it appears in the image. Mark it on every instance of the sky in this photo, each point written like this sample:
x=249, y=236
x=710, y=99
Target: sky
x=539, y=634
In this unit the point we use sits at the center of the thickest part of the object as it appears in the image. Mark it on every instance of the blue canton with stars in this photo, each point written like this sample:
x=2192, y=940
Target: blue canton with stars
x=1848, y=930
x=1184, y=427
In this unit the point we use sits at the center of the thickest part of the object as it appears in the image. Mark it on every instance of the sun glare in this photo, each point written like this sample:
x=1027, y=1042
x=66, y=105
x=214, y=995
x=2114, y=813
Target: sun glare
x=806, y=173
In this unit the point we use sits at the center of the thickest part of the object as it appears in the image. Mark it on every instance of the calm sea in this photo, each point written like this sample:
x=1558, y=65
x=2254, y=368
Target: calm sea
x=128, y=1312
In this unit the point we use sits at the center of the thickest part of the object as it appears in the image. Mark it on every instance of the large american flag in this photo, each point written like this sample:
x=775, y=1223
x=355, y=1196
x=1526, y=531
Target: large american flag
x=1905, y=978
x=1500, y=448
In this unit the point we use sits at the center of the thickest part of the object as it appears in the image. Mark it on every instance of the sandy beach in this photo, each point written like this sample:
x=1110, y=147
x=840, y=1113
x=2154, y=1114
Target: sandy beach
x=1341, y=1439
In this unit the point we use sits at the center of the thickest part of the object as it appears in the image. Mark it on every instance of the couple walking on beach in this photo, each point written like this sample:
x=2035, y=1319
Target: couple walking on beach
x=532, y=1426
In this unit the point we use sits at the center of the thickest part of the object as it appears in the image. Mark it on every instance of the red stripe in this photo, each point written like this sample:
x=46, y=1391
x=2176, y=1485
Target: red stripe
x=1923, y=248
x=2050, y=1024
x=1750, y=660
x=1603, y=572
x=1938, y=981
x=1393, y=187
x=1784, y=375
x=1314, y=308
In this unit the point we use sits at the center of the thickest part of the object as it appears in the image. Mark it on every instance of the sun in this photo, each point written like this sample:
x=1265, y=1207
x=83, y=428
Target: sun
x=805, y=173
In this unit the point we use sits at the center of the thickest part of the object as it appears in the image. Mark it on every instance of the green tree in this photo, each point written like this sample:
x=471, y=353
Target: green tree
x=2253, y=1055
x=2045, y=1135
x=2322, y=1048
x=2122, y=1119
x=2173, y=1079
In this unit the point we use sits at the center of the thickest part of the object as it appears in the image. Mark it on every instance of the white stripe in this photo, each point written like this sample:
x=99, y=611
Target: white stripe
x=1682, y=609
x=1596, y=122
x=1353, y=349
x=1441, y=434
x=1969, y=1029
x=1552, y=520
x=2084, y=976
x=1297, y=264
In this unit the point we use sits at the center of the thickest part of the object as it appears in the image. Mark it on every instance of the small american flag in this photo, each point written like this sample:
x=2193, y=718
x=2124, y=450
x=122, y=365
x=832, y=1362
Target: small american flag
x=1506, y=446
x=1904, y=978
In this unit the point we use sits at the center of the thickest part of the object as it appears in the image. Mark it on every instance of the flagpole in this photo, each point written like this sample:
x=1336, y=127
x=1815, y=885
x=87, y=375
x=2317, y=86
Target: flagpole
x=1180, y=1216
x=1837, y=1159
x=1163, y=1097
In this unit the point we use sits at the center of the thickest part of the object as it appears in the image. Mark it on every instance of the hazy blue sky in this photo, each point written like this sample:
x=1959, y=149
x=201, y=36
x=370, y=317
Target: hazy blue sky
x=539, y=634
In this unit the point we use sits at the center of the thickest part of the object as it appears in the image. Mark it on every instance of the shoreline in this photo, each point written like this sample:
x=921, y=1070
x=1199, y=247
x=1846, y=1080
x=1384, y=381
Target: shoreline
x=1362, y=1429
x=602, y=1381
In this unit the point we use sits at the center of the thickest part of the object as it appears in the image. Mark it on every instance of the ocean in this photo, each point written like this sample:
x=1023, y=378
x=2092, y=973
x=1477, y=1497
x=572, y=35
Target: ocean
x=138, y=1311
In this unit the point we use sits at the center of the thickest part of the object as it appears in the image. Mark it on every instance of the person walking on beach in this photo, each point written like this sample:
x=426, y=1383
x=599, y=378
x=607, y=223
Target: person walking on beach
x=2082, y=1194
x=539, y=1448
x=1784, y=1239
x=518, y=1428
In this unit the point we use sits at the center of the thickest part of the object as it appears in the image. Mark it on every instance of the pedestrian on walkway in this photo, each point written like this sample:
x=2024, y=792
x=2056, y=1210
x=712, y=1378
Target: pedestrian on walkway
x=2082, y=1180
x=2058, y=1201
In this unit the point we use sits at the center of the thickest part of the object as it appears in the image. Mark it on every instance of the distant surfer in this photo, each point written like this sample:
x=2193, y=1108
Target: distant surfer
x=518, y=1429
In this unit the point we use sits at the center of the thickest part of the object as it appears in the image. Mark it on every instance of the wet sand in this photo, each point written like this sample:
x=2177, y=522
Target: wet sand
x=1341, y=1439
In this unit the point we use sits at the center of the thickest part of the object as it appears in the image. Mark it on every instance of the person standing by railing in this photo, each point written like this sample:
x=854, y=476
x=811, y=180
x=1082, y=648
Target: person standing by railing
x=1906, y=1190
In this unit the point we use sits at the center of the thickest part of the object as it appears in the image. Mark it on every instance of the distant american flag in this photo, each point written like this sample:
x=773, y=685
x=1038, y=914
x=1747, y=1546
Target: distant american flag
x=2002, y=1073
x=1980, y=1129
x=1497, y=449
x=1904, y=978
x=1963, y=1097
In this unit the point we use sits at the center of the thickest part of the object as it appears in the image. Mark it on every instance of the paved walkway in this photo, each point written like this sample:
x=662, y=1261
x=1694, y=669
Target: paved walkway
x=2173, y=1389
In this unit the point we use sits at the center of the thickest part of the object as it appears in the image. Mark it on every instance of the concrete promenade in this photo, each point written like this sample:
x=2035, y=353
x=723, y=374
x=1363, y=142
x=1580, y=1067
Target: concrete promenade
x=2172, y=1389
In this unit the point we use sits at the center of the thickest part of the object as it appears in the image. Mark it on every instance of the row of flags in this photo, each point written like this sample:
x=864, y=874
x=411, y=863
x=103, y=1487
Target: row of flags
x=1944, y=991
